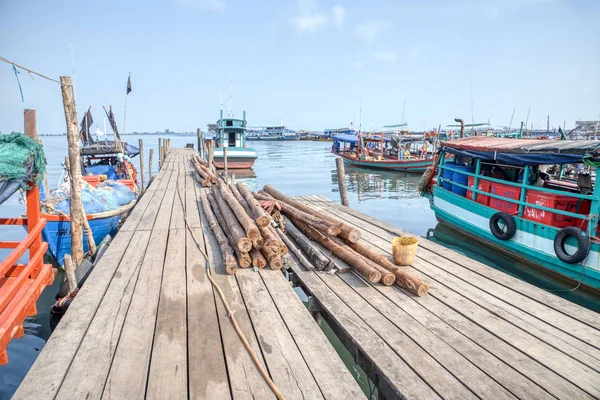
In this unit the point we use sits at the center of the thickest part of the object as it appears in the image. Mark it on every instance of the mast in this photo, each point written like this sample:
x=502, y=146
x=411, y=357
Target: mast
x=527, y=119
x=511, y=118
x=472, y=114
x=403, y=110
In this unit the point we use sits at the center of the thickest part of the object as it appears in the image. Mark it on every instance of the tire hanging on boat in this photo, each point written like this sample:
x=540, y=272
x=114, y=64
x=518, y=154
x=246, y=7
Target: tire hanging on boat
x=509, y=224
x=583, y=245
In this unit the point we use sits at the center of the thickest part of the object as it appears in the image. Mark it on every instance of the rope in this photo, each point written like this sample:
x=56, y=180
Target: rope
x=30, y=71
x=230, y=312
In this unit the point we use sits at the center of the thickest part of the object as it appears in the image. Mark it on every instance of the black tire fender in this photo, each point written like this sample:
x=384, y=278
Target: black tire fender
x=583, y=245
x=509, y=223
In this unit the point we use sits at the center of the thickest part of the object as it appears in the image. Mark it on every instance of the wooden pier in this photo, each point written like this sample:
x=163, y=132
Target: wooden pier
x=148, y=323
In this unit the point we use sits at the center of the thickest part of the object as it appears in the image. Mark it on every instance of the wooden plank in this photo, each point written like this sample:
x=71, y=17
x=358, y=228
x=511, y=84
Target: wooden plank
x=423, y=360
x=129, y=369
x=566, y=307
x=499, y=371
x=519, y=339
x=334, y=380
x=150, y=214
x=191, y=200
x=178, y=211
x=167, y=377
x=244, y=379
x=289, y=370
x=397, y=374
x=581, y=341
x=100, y=342
x=45, y=376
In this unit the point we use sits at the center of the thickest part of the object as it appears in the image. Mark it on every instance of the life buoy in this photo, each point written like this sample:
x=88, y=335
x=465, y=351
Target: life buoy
x=583, y=245
x=509, y=229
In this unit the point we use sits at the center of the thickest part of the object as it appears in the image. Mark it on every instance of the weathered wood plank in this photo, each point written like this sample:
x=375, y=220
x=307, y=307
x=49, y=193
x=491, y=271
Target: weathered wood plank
x=149, y=216
x=543, y=297
x=129, y=369
x=290, y=372
x=102, y=337
x=167, y=377
x=244, y=379
x=47, y=373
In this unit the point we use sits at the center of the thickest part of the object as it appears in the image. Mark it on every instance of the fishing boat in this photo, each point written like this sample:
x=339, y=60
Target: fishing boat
x=503, y=192
x=22, y=165
x=375, y=151
x=109, y=194
x=231, y=134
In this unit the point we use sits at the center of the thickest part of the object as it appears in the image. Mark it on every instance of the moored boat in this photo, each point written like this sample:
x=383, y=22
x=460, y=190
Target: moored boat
x=374, y=151
x=231, y=134
x=498, y=191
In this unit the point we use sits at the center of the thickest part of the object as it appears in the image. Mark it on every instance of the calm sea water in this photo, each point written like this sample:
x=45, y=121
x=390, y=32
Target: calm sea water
x=296, y=168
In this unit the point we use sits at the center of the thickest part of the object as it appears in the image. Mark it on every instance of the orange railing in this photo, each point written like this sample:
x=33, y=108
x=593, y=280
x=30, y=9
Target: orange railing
x=21, y=285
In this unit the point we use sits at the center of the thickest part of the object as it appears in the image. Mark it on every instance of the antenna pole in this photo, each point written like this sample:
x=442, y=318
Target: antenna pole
x=230, y=94
x=511, y=118
x=360, y=114
x=403, y=110
x=527, y=119
x=472, y=114
x=73, y=71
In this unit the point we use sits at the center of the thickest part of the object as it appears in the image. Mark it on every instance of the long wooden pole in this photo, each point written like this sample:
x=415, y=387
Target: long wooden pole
x=141, y=156
x=150, y=166
x=76, y=208
x=225, y=163
x=199, y=133
x=160, y=153
x=341, y=175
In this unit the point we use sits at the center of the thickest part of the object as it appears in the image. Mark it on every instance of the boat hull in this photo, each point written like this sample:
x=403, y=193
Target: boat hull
x=532, y=242
x=416, y=166
x=237, y=158
x=58, y=234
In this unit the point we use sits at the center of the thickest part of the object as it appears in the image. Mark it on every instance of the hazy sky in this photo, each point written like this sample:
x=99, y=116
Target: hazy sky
x=306, y=63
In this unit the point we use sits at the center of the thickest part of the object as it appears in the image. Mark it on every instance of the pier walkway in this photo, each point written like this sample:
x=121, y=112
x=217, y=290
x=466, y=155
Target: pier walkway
x=480, y=333
x=148, y=324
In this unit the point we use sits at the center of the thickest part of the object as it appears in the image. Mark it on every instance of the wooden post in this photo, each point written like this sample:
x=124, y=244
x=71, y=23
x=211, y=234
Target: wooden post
x=150, y=166
x=141, y=142
x=339, y=163
x=70, y=273
x=225, y=162
x=211, y=153
x=33, y=207
x=159, y=153
x=199, y=133
x=76, y=209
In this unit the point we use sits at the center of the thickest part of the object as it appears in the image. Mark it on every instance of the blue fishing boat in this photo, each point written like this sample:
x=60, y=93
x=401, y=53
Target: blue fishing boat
x=512, y=194
x=109, y=192
x=231, y=134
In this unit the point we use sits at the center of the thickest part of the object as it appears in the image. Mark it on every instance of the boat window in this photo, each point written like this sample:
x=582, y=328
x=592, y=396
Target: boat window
x=229, y=123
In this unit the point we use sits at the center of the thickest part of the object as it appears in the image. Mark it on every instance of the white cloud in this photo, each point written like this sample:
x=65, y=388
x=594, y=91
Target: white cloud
x=207, y=5
x=358, y=65
x=338, y=15
x=309, y=24
x=368, y=32
x=386, y=56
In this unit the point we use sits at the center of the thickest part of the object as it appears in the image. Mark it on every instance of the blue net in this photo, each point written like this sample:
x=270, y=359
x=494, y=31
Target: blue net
x=119, y=191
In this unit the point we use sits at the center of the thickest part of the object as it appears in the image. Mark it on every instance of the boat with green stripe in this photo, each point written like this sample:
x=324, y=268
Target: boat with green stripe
x=513, y=194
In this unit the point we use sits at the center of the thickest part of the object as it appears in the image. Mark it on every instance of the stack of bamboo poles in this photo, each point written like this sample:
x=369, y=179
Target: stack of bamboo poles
x=338, y=238
x=241, y=227
x=205, y=174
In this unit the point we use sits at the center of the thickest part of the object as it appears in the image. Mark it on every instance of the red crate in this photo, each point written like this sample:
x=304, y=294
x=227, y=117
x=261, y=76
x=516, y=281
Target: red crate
x=584, y=209
x=93, y=180
x=555, y=201
x=481, y=185
x=130, y=183
x=510, y=192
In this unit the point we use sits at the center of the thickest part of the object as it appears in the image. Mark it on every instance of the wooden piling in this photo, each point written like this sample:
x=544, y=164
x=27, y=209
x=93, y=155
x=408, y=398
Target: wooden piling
x=150, y=165
x=199, y=133
x=160, y=155
x=76, y=208
x=70, y=273
x=341, y=175
x=141, y=145
x=211, y=153
x=225, y=163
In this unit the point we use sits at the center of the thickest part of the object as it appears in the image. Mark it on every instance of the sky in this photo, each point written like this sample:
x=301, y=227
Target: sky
x=310, y=64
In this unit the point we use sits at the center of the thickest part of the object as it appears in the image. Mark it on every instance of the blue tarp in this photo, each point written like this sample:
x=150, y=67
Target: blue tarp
x=354, y=138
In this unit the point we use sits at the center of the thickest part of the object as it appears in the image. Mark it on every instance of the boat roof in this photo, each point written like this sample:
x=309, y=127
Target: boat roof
x=524, y=151
x=354, y=138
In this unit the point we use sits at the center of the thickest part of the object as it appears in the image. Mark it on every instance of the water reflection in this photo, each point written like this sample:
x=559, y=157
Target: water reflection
x=376, y=184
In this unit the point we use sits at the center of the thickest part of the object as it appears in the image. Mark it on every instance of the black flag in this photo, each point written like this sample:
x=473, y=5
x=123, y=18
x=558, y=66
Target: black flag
x=129, y=84
x=86, y=124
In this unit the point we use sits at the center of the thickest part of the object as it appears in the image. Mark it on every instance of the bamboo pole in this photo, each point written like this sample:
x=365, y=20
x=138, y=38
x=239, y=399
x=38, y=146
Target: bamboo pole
x=143, y=173
x=347, y=232
x=150, y=165
x=341, y=175
x=76, y=208
x=226, y=250
x=236, y=230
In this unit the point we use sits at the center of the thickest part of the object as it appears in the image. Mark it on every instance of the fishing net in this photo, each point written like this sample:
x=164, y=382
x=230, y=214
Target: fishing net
x=108, y=196
x=120, y=192
x=21, y=158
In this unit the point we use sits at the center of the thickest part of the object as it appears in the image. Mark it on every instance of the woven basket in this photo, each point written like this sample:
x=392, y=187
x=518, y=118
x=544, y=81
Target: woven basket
x=404, y=249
